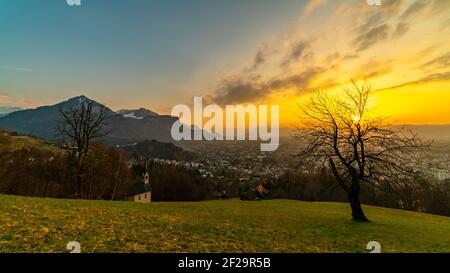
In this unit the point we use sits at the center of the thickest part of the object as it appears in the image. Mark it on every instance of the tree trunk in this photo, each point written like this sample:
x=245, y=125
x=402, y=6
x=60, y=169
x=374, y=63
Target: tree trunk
x=355, y=203
x=117, y=181
x=79, y=185
x=80, y=170
x=80, y=173
x=46, y=188
x=88, y=194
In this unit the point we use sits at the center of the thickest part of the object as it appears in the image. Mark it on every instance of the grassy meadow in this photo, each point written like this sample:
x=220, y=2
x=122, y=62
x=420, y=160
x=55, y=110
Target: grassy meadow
x=47, y=225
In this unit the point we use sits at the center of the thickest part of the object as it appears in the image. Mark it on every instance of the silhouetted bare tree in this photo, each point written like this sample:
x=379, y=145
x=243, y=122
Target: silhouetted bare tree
x=80, y=125
x=357, y=147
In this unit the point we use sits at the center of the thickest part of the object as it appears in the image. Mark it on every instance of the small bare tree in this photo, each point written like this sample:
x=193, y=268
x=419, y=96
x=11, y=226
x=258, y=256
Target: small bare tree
x=341, y=134
x=79, y=126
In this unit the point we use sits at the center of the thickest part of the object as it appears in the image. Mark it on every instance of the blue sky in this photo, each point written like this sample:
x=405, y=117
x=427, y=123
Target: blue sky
x=156, y=54
x=129, y=53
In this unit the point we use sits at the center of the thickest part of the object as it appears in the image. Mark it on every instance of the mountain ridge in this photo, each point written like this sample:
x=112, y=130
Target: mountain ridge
x=41, y=122
x=437, y=132
x=6, y=110
x=140, y=113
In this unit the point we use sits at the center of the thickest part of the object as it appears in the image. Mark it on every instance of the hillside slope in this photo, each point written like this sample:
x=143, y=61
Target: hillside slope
x=10, y=142
x=156, y=149
x=47, y=225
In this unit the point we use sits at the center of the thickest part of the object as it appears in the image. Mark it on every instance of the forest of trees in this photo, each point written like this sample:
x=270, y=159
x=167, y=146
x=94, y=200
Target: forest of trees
x=177, y=183
x=108, y=174
x=52, y=173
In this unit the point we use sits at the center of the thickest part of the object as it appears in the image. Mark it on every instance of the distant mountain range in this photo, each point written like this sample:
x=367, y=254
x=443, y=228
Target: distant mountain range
x=440, y=133
x=132, y=126
x=141, y=113
x=125, y=126
x=6, y=110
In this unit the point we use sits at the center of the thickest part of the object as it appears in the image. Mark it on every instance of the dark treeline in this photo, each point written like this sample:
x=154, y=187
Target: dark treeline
x=156, y=149
x=177, y=183
x=419, y=193
x=51, y=173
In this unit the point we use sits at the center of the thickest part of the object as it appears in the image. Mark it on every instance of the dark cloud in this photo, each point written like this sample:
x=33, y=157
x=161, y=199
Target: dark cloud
x=435, y=77
x=371, y=22
x=373, y=69
x=391, y=7
x=405, y=19
x=371, y=37
x=244, y=90
x=238, y=91
x=414, y=9
x=249, y=86
x=439, y=6
x=350, y=56
x=300, y=81
x=373, y=73
x=378, y=15
x=439, y=62
x=401, y=29
x=375, y=27
x=297, y=51
x=333, y=57
x=261, y=57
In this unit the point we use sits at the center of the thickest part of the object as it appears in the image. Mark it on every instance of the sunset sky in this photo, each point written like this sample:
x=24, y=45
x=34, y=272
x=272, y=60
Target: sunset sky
x=156, y=54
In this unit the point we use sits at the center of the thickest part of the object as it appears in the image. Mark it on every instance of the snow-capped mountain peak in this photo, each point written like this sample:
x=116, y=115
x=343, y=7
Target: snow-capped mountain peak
x=141, y=113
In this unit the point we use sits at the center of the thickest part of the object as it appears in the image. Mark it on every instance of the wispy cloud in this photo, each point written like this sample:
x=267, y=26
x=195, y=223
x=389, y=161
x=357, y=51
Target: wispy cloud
x=261, y=56
x=438, y=62
x=434, y=77
x=16, y=68
x=241, y=89
x=337, y=50
x=414, y=9
x=296, y=51
x=371, y=37
x=7, y=100
x=401, y=29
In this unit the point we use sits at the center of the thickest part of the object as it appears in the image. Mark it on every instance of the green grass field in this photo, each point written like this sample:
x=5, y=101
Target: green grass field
x=47, y=225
